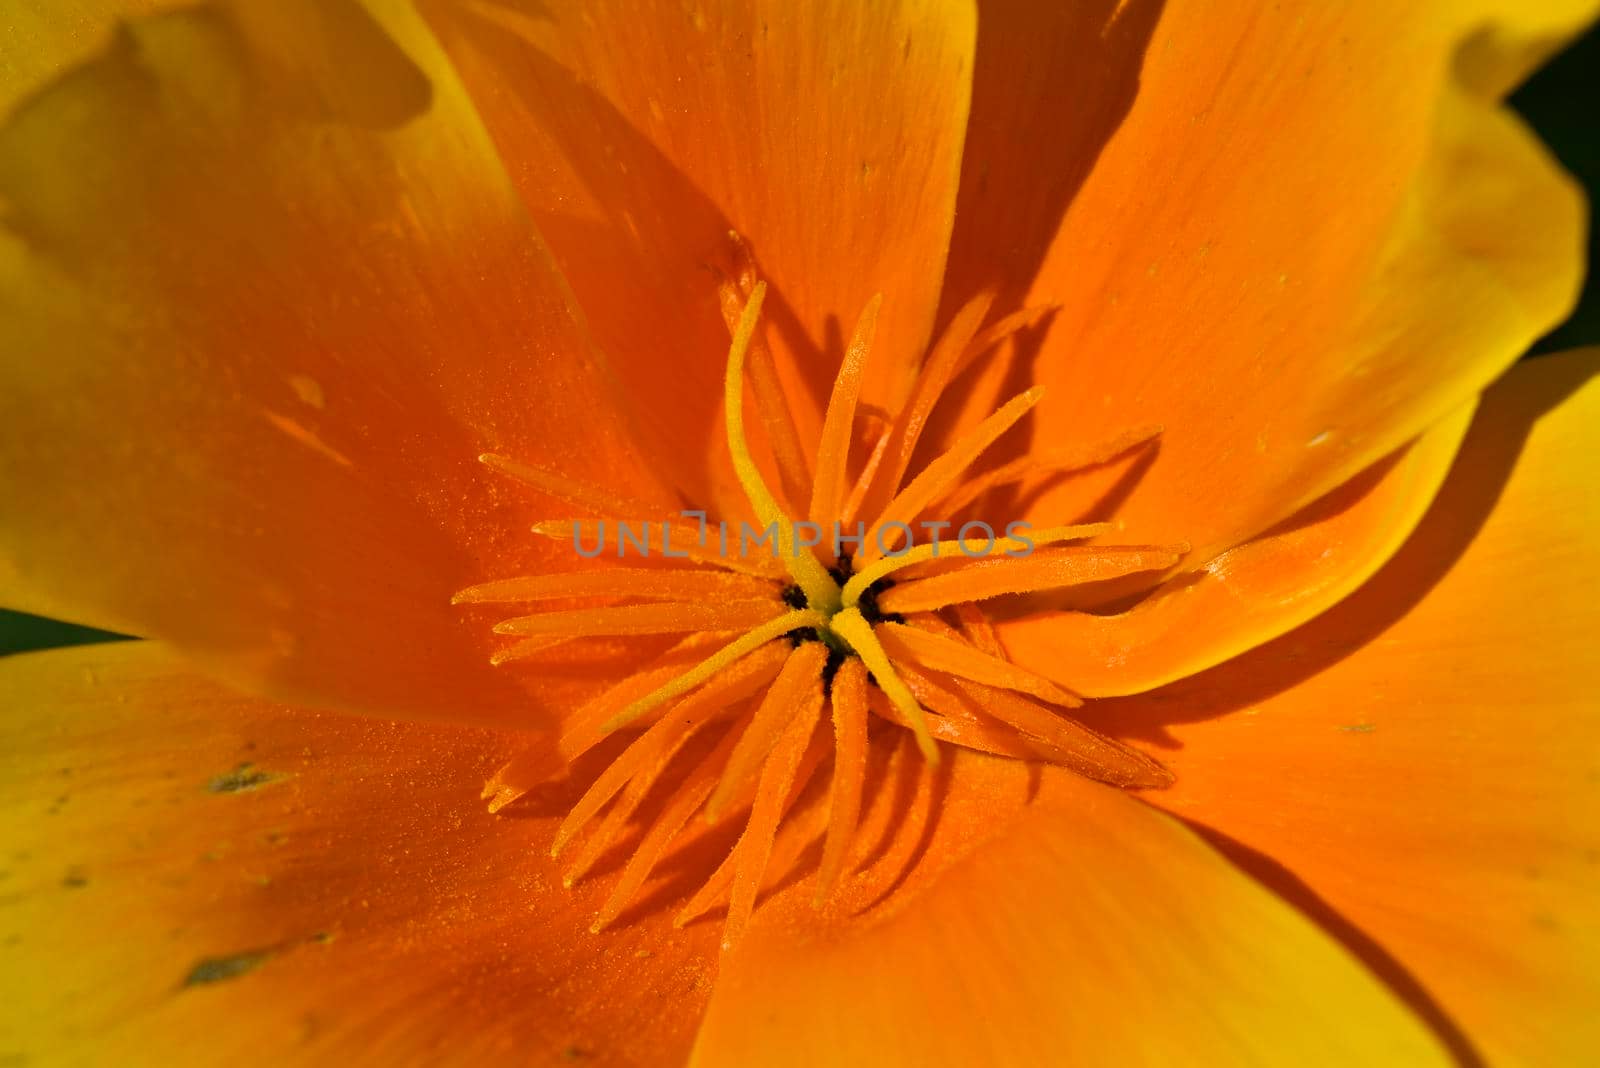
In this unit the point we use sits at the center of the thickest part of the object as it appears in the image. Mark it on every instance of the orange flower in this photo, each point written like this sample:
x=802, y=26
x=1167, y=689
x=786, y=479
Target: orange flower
x=1214, y=300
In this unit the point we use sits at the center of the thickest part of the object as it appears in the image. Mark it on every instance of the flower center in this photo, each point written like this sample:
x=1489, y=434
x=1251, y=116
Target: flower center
x=794, y=664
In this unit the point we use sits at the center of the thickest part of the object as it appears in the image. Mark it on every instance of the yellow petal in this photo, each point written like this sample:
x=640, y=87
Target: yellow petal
x=200, y=878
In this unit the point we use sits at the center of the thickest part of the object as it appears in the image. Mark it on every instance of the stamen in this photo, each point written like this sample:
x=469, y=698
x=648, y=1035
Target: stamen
x=943, y=471
x=715, y=697
x=688, y=797
x=772, y=404
x=918, y=554
x=605, y=502
x=936, y=374
x=858, y=492
x=646, y=584
x=645, y=619
x=981, y=579
x=523, y=650
x=1065, y=461
x=754, y=848
x=540, y=762
x=833, y=452
x=999, y=331
x=946, y=654
x=822, y=593
x=801, y=673
x=849, y=701
x=850, y=625
x=727, y=693
x=725, y=657
x=716, y=888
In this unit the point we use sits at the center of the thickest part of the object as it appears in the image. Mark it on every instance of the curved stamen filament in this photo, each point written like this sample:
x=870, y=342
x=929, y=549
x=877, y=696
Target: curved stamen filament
x=918, y=554
x=822, y=593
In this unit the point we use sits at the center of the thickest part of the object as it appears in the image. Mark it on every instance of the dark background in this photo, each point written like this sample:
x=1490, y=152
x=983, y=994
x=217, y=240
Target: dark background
x=1562, y=102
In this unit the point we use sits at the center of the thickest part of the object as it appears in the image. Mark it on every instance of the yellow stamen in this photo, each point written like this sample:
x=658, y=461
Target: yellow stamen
x=723, y=658
x=917, y=554
x=853, y=627
x=934, y=479
x=822, y=593
x=772, y=405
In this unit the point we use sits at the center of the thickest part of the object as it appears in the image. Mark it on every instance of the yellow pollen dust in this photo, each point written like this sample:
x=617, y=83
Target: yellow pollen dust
x=787, y=672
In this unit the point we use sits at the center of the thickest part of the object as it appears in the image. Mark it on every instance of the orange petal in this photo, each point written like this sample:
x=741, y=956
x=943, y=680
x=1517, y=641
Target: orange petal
x=264, y=297
x=639, y=136
x=196, y=877
x=1089, y=929
x=1179, y=172
x=1248, y=595
x=1417, y=767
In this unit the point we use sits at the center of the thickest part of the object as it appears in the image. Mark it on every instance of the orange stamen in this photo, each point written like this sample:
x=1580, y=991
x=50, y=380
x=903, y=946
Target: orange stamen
x=646, y=584
x=833, y=452
x=754, y=848
x=789, y=696
x=1065, y=461
x=678, y=537
x=1048, y=569
x=938, y=476
x=668, y=618
x=606, y=503
x=935, y=376
x=849, y=701
x=957, y=658
x=690, y=795
x=671, y=730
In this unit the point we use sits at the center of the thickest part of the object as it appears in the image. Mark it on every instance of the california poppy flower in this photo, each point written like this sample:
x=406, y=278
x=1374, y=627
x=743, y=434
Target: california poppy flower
x=319, y=320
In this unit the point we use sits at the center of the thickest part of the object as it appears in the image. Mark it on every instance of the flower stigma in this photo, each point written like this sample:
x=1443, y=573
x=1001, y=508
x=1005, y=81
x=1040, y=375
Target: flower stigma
x=790, y=668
